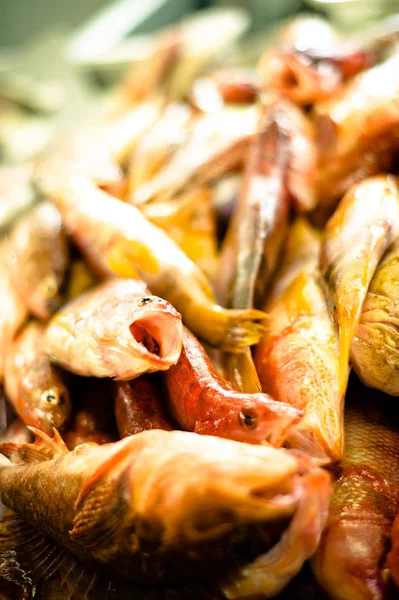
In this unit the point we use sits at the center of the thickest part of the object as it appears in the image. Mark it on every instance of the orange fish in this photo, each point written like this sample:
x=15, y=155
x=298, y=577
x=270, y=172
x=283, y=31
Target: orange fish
x=115, y=330
x=364, y=225
x=36, y=389
x=298, y=358
x=162, y=505
x=351, y=560
x=117, y=239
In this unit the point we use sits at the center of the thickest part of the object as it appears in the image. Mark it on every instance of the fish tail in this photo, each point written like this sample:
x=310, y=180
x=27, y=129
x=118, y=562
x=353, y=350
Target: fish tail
x=244, y=329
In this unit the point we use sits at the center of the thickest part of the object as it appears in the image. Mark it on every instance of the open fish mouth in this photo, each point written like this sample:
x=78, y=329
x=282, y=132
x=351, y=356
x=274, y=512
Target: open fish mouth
x=159, y=335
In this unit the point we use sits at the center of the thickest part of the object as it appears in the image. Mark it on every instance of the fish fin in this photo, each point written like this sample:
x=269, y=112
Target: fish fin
x=38, y=556
x=44, y=448
x=83, y=583
x=53, y=445
x=106, y=467
x=244, y=329
x=95, y=525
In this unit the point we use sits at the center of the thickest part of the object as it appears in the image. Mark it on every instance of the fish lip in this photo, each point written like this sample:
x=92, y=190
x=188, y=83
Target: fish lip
x=165, y=326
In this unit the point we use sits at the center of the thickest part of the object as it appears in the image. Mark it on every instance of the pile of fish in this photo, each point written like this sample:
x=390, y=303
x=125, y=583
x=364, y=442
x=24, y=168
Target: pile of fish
x=184, y=289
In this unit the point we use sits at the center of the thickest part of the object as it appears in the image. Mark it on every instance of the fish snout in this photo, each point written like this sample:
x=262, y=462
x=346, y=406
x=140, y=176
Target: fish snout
x=157, y=327
x=266, y=420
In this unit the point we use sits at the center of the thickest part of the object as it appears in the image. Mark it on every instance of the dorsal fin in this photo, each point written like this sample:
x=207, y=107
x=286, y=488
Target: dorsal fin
x=120, y=452
x=43, y=448
x=56, y=444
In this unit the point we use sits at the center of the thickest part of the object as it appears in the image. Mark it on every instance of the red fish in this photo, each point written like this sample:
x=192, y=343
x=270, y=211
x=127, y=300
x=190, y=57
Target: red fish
x=202, y=401
x=138, y=406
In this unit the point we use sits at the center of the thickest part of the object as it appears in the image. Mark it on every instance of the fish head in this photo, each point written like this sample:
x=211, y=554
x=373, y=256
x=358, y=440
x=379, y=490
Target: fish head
x=153, y=336
x=252, y=418
x=53, y=407
x=202, y=487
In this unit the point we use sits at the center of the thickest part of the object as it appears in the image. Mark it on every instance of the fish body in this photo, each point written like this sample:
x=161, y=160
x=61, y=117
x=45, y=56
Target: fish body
x=298, y=358
x=38, y=258
x=363, y=226
x=202, y=401
x=36, y=389
x=366, y=109
x=141, y=508
x=350, y=562
x=139, y=407
x=118, y=240
x=218, y=144
x=13, y=310
x=189, y=220
x=115, y=330
x=375, y=347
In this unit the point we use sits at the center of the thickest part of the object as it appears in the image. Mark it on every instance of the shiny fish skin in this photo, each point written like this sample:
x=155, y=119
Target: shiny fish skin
x=350, y=562
x=139, y=406
x=202, y=401
x=115, y=330
x=375, y=348
x=38, y=258
x=168, y=492
x=35, y=388
x=117, y=239
x=364, y=225
x=298, y=358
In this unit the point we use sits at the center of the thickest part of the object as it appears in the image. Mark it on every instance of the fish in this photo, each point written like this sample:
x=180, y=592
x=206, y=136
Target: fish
x=258, y=225
x=158, y=144
x=16, y=193
x=351, y=559
x=146, y=77
x=393, y=556
x=202, y=401
x=116, y=330
x=92, y=419
x=366, y=109
x=139, y=406
x=217, y=144
x=116, y=239
x=190, y=221
x=375, y=347
x=38, y=258
x=37, y=390
x=297, y=360
x=230, y=86
x=298, y=78
x=363, y=226
x=13, y=310
x=257, y=229
x=94, y=504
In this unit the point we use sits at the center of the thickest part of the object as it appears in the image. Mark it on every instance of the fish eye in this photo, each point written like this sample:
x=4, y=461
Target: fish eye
x=49, y=286
x=247, y=420
x=51, y=398
x=144, y=301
